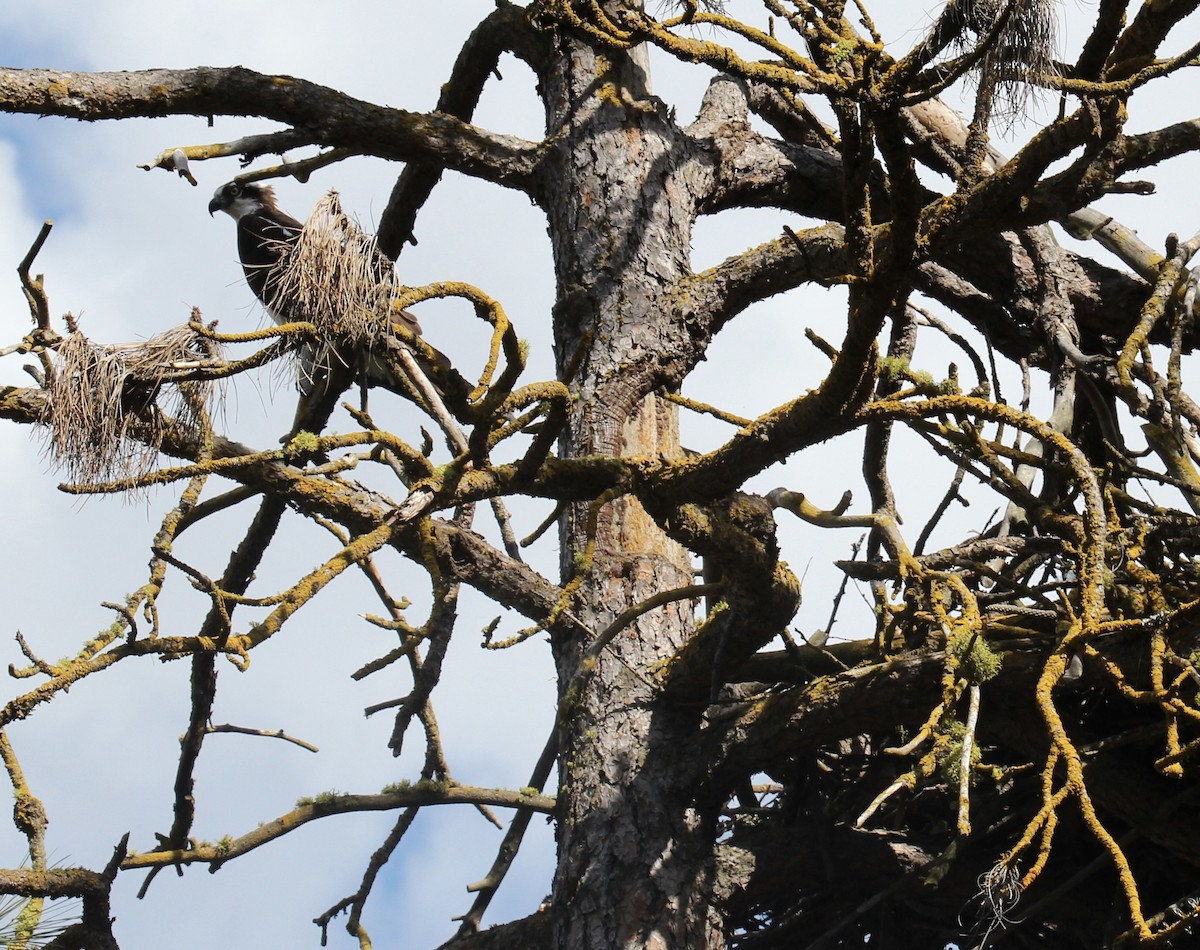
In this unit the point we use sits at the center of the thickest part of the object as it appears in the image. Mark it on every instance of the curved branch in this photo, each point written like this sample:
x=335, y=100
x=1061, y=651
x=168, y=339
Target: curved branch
x=422, y=793
x=816, y=255
x=1148, y=30
x=505, y=29
x=1150, y=148
x=249, y=147
x=333, y=118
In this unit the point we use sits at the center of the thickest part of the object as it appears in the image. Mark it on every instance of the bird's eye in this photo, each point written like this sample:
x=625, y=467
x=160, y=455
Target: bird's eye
x=234, y=188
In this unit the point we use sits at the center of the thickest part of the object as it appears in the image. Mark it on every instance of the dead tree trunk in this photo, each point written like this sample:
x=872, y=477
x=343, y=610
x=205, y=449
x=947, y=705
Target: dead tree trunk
x=635, y=864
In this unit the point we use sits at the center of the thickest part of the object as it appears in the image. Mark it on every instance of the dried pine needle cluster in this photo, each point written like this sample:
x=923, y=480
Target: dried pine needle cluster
x=105, y=412
x=336, y=278
x=1019, y=39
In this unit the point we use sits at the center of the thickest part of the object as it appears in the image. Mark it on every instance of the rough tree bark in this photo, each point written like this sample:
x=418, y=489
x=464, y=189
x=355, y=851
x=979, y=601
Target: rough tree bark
x=634, y=852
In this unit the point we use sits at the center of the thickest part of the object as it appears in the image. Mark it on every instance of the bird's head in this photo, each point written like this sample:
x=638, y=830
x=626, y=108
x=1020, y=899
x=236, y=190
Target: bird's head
x=238, y=199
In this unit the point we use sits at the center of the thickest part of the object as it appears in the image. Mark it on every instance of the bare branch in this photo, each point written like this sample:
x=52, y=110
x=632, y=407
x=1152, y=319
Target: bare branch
x=343, y=121
x=337, y=803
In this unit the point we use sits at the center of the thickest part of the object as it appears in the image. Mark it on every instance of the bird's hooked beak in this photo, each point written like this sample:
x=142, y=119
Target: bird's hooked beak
x=238, y=200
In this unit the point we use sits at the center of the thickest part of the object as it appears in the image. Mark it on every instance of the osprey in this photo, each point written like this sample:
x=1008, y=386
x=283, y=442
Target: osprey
x=265, y=237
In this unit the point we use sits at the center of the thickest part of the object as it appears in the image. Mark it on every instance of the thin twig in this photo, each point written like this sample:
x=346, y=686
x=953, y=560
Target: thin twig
x=265, y=733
